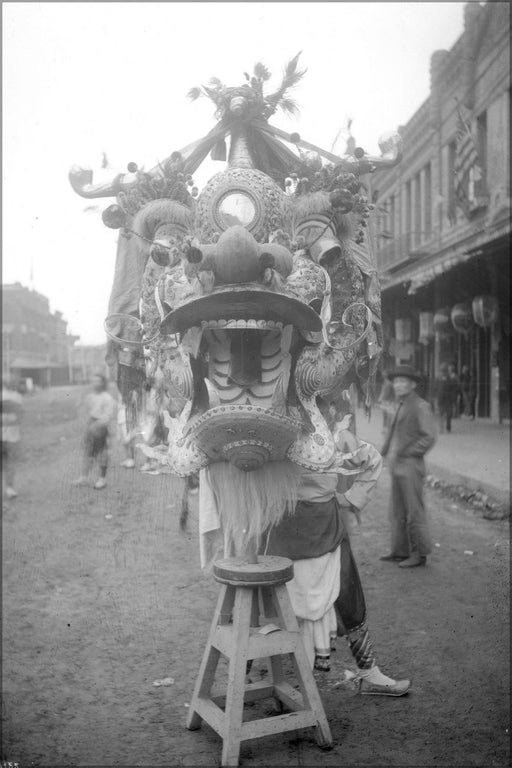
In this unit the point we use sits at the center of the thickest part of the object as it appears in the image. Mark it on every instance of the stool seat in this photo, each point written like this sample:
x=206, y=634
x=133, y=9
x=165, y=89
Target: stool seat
x=240, y=572
x=254, y=619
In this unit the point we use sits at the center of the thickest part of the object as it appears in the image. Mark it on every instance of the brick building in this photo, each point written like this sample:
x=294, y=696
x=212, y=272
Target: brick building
x=444, y=266
x=35, y=341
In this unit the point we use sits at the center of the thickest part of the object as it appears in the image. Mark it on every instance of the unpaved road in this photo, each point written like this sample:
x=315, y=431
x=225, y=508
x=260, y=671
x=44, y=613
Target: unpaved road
x=96, y=608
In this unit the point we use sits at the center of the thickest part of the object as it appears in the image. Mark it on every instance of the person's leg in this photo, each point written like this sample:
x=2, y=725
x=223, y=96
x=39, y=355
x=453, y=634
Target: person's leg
x=417, y=523
x=397, y=514
x=102, y=456
x=87, y=460
x=9, y=469
x=350, y=608
x=129, y=449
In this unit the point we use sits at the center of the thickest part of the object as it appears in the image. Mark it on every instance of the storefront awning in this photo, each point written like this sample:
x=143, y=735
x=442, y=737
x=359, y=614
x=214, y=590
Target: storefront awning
x=28, y=362
x=419, y=275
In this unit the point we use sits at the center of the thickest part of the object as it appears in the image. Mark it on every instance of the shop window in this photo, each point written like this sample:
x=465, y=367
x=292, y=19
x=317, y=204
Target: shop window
x=417, y=210
x=392, y=213
x=408, y=209
x=427, y=202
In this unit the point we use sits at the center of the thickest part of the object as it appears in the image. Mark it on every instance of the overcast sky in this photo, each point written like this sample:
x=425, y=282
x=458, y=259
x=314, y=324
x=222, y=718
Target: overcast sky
x=80, y=79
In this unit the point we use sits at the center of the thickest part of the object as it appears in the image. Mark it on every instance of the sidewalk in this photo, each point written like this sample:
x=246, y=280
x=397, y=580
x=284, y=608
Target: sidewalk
x=475, y=454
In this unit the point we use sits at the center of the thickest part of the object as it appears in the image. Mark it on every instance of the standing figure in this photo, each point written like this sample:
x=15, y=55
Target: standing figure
x=467, y=389
x=454, y=378
x=100, y=408
x=446, y=397
x=325, y=592
x=12, y=409
x=411, y=435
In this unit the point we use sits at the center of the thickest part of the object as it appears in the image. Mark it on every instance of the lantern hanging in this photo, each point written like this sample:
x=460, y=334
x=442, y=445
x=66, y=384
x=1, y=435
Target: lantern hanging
x=403, y=329
x=442, y=320
x=462, y=318
x=426, y=327
x=485, y=310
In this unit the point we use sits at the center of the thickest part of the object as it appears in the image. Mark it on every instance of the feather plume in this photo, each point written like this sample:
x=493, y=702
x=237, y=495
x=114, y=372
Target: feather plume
x=194, y=93
x=261, y=72
x=289, y=107
x=291, y=77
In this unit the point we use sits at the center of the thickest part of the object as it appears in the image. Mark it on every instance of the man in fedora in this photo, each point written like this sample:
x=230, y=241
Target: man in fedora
x=411, y=434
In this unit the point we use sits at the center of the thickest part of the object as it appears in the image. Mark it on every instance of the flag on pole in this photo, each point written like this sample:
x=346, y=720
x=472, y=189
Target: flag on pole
x=466, y=167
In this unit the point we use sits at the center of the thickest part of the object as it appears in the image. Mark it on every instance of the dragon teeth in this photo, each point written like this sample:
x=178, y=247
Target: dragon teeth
x=262, y=325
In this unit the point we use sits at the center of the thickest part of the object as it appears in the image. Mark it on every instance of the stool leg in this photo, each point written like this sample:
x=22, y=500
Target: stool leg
x=309, y=691
x=210, y=657
x=236, y=677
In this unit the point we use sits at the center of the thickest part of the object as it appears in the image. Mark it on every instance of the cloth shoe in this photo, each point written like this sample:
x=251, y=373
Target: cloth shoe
x=413, y=561
x=393, y=558
x=101, y=483
x=376, y=683
x=10, y=493
x=395, y=688
x=128, y=463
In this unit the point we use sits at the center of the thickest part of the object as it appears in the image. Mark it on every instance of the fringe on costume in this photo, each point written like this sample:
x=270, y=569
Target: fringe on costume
x=251, y=502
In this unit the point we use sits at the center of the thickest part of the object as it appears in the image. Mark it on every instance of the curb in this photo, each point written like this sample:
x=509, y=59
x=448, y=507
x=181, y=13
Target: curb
x=500, y=496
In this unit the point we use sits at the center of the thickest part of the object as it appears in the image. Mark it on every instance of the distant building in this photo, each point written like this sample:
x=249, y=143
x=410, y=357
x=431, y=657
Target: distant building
x=35, y=341
x=86, y=360
x=442, y=232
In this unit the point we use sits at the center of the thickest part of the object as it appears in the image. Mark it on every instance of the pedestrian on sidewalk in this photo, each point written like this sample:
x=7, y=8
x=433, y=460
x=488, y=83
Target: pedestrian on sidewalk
x=12, y=411
x=467, y=389
x=446, y=396
x=410, y=436
x=100, y=409
x=326, y=591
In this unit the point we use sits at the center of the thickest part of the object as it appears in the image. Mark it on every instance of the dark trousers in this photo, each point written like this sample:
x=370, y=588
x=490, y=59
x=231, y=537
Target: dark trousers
x=350, y=606
x=407, y=513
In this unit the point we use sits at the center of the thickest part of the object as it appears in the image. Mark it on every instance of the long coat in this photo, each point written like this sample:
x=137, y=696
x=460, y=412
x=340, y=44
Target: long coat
x=414, y=430
x=411, y=435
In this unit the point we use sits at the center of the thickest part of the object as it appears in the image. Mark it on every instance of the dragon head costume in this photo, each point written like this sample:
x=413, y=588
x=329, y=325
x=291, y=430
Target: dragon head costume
x=246, y=302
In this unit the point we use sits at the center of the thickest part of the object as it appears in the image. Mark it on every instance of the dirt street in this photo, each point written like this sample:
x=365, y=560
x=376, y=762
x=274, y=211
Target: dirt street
x=103, y=595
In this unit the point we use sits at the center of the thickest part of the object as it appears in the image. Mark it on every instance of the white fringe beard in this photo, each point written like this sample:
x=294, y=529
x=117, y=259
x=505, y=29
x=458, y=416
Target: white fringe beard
x=250, y=503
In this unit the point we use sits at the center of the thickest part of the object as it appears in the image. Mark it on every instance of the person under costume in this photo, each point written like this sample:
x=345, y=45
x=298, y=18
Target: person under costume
x=325, y=592
x=411, y=435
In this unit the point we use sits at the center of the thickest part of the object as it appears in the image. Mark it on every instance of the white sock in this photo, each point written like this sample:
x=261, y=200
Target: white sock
x=375, y=676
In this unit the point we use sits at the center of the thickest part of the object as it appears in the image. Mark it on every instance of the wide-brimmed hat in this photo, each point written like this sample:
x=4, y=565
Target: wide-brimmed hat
x=405, y=370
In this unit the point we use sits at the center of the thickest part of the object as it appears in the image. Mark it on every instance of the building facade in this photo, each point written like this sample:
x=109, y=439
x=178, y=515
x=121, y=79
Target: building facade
x=88, y=360
x=442, y=247
x=35, y=341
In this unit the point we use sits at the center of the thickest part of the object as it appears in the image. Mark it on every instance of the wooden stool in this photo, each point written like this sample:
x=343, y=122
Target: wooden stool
x=253, y=598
